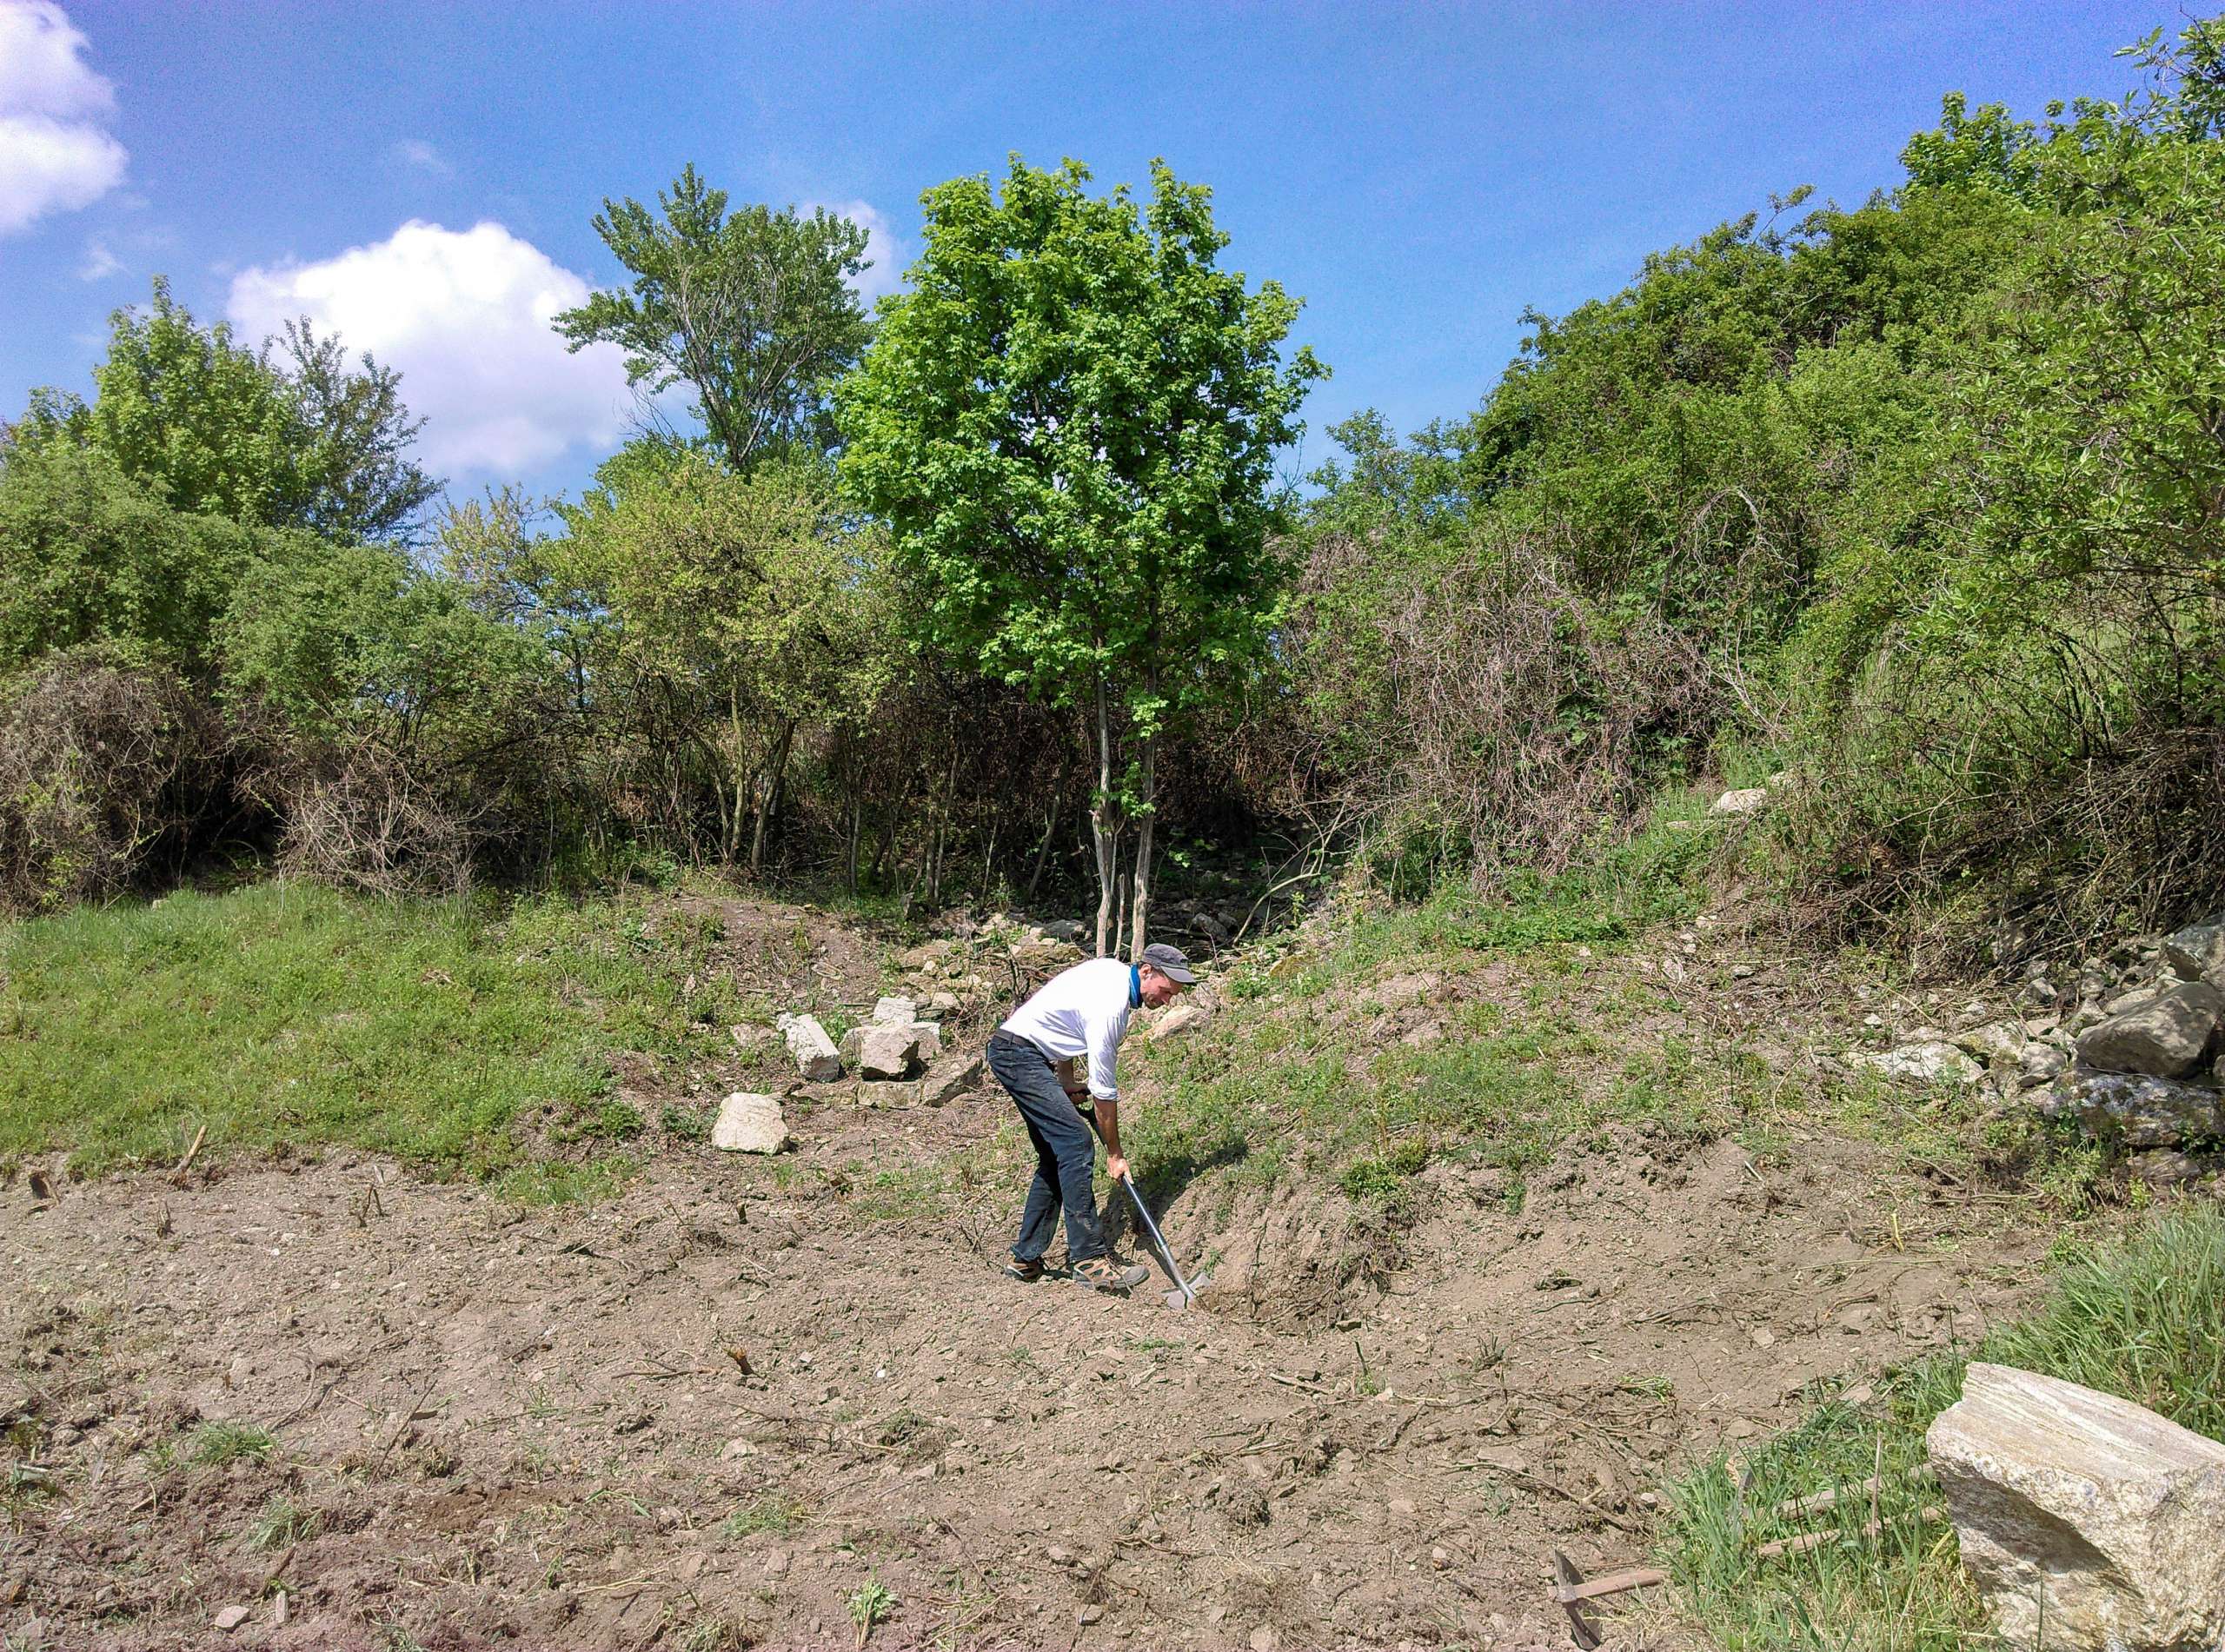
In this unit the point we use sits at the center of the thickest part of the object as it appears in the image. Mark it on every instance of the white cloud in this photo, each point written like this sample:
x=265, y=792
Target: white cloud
x=54, y=154
x=885, y=252
x=100, y=264
x=464, y=317
x=415, y=151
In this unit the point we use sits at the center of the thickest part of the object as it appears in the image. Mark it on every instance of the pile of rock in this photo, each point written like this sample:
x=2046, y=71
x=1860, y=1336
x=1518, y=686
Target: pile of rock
x=896, y=1056
x=2131, y=1044
x=2146, y=1067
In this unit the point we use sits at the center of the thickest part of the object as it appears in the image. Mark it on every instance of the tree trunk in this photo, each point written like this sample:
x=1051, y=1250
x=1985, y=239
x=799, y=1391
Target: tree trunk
x=1050, y=830
x=770, y=778
x=1147, y=817
x=1103, y=826
x=850, y=857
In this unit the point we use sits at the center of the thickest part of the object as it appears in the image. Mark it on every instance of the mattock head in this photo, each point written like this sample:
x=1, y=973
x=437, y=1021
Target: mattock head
x=1580, y=1629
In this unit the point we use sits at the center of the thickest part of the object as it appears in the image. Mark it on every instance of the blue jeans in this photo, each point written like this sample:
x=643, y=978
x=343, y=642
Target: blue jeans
x=1065, y=1153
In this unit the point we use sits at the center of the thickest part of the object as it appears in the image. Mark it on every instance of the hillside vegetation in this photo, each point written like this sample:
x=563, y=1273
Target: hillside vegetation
x=1917, y=500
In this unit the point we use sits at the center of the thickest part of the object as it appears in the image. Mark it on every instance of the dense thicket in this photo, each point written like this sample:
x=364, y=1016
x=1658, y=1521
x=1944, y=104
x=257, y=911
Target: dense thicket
x=1923, y=502
x=1920, y=502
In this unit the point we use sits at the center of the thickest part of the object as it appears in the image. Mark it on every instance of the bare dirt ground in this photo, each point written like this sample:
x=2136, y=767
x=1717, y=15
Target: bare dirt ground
x=709, y=1410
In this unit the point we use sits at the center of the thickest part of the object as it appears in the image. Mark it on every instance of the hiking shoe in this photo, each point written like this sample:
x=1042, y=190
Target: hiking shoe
x=1026, y=1269
x=1098, y=1273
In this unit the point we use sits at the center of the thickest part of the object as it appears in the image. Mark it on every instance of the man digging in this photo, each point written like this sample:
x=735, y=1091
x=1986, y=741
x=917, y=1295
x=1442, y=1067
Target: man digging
x=1082, y=1012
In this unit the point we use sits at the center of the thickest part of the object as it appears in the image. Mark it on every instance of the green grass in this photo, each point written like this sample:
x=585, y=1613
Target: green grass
x=774, y=1512
x=287, y=1014
x=214, y=1444
x=2143, y=1317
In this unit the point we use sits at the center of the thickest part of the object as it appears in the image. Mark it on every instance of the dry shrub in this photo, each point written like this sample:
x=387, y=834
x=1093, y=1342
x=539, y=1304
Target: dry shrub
x=107, y=772
x=358, y=816
x=1477, y=707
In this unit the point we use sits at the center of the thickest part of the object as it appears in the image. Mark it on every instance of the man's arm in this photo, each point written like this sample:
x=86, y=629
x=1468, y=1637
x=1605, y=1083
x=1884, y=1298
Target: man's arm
x=1106, y=1113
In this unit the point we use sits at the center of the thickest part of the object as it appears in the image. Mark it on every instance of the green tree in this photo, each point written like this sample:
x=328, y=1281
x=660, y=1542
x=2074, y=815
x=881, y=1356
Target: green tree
x=1070, y=422
x=88, y=555
x=751, y=310
x=736, y=611
x=222, y=428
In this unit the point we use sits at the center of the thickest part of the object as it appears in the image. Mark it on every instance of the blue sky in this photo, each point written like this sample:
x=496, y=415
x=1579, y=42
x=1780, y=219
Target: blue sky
x=423, y=176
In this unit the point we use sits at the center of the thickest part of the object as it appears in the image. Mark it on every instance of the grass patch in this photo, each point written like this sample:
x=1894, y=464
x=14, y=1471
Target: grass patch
x=2143, y=1317
x=283, y=1523
x=216, y=1444
x=776, y=1512
x=286, y=1014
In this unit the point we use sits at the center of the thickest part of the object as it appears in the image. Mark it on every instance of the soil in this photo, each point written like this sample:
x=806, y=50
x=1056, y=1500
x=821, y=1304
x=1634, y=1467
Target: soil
x=708, y=1411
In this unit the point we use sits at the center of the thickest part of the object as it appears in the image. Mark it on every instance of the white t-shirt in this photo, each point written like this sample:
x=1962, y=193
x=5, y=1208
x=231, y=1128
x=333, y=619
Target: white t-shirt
x=1082, y=1010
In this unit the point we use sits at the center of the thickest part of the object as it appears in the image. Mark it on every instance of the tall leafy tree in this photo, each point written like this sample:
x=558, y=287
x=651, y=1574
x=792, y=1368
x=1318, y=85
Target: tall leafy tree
x=752, y=310
x=1069, y=423
x=285, y=436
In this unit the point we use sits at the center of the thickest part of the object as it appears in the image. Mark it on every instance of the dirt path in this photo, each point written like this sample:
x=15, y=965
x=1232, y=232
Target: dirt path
x=532, y=1428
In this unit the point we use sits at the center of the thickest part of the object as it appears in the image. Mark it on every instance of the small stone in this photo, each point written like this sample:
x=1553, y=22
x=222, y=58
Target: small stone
x=230, y=1618
x=777, y=1563
x=1402, y=1508
x=1764, y=1336
x=1089, y=1615
x=750, y=1124
x=1439, y=1558
x=1742, y=972
x=1264, y=1640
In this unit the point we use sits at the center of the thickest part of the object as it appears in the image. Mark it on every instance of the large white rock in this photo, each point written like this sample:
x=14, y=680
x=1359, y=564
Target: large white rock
x=2084, y=1513
x=895, y=1011
x=1749, y=801
x=750, y=1123
x=816, y=1058
x=886, y=1052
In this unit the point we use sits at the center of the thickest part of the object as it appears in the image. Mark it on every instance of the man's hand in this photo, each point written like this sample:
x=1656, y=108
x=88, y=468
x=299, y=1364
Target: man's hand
x=1115, y=1167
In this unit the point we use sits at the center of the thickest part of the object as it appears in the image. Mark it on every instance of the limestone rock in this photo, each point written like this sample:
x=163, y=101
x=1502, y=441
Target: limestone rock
x=1750, y=801
x=894, y=1012
x=1932, y=1061
x=889, y=1093
x=750, y=1123
x=2141, y=1110
x=2166, y=1036
x=2198, y=951
x=926, y=1039
x=816, y=1058
x=886, y=1052
x=2085, y=1513
x=1998, y=1044
x=1179, y=1019
x=2040, y=1063
x=952, y=1077
x=1069, y=930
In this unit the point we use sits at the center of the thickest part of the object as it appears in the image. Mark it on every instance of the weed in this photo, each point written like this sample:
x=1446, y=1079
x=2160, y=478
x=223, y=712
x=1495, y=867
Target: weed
x=776, y=1512
x=216, y=1444
x=619, y=1121
x=283, y=1523
x=686, y=1123
x=870, y=1604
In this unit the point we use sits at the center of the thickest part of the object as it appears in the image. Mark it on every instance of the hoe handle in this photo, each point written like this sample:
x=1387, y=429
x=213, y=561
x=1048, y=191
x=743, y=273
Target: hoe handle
x=1135, y=1198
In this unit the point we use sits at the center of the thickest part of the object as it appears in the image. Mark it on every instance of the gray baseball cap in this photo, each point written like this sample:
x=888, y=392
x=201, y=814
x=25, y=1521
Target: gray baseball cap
x=1168, y=962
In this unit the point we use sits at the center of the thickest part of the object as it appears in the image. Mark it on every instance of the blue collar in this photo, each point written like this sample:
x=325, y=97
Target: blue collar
x=1135, y=987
